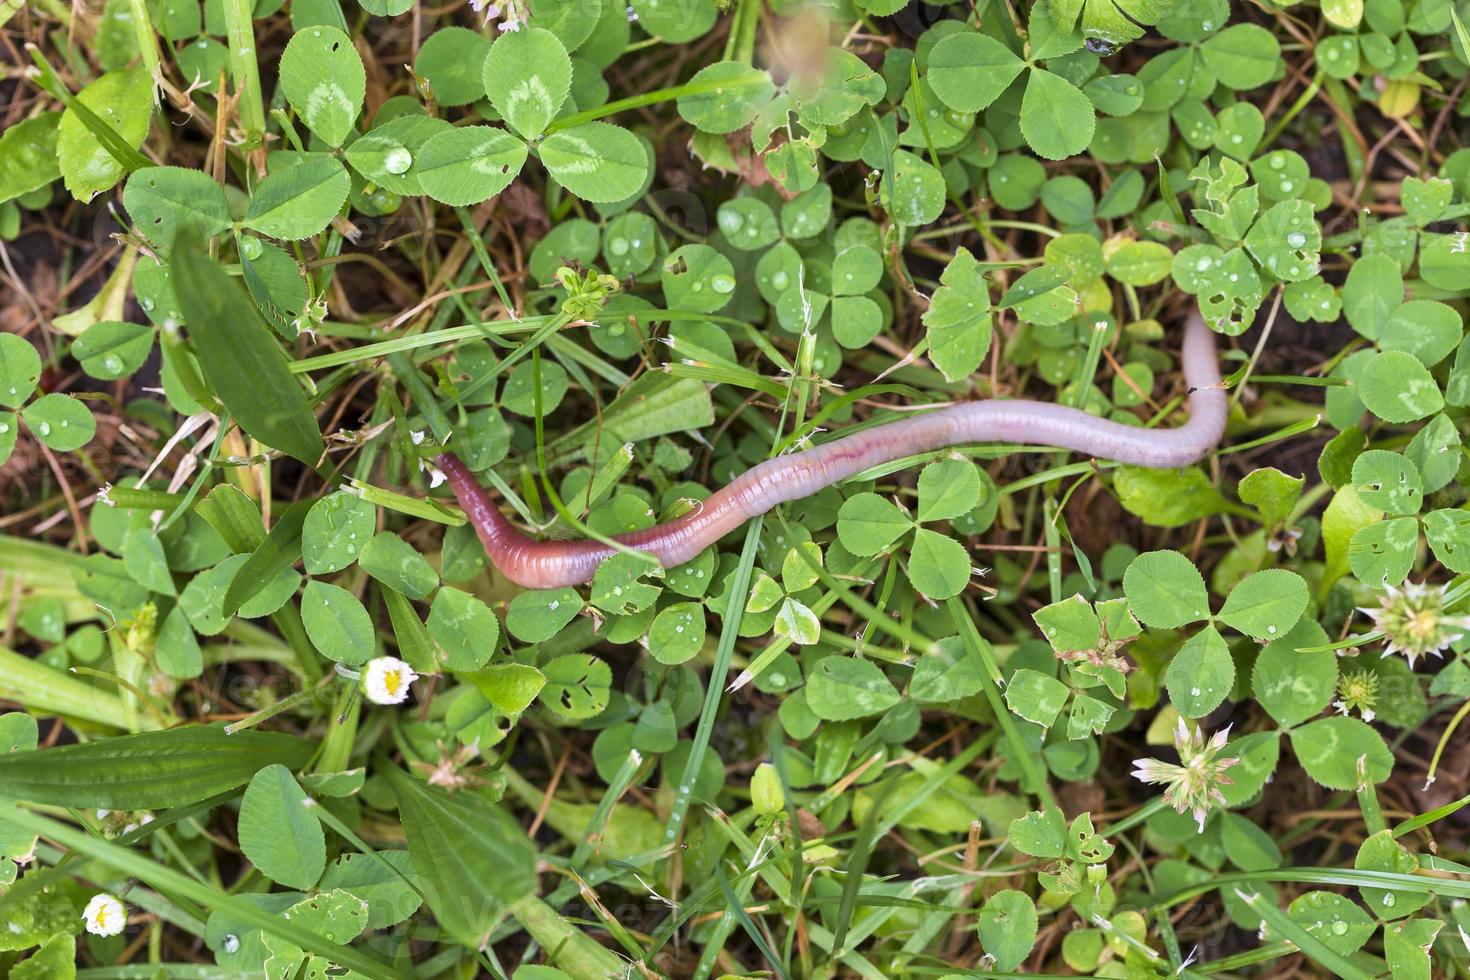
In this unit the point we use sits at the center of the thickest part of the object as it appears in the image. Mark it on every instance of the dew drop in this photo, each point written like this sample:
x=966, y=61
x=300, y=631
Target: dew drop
x=44, y=428
x=1388, y=901
x=780, y=281
x=252, y=247
x=1296, y=239
x=1278, y=161
x=1339, y=928
x=618, y=246
x=231, y=943
x=146, y=303
x=1194, y=692
x=722, y=284
x=397, y=160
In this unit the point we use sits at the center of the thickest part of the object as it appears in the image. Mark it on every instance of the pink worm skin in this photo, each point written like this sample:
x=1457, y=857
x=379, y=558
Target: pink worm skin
x=554, y=564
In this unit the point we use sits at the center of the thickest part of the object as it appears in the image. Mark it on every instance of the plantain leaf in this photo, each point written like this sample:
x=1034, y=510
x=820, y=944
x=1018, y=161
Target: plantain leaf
x=473, y=858
x=241, y=362
x=148, y=771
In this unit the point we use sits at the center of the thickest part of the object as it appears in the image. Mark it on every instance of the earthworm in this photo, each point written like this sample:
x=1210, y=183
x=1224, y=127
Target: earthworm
x=554, y=564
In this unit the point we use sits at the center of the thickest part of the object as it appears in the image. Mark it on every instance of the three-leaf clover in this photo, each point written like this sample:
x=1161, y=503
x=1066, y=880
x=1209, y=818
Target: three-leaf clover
x=1166, y=591
x=1089, y=638
x=795, y=619
x=60, y=422
x=938, y=565
x=969, y=70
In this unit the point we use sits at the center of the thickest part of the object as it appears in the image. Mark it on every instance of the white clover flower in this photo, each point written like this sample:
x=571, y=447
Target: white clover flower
x=1194, y=786
x=490, y=10
x=1414, y=621
x=1359, y=689
x=436, y=475
x=385, y=680
x=105, y=915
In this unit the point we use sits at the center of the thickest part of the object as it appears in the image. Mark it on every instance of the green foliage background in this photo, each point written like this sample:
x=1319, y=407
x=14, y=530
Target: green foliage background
x=264, y=261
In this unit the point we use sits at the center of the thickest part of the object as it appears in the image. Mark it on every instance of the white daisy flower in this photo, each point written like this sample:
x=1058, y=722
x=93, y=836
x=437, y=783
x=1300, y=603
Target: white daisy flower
x=385, y=680
x=105, y=915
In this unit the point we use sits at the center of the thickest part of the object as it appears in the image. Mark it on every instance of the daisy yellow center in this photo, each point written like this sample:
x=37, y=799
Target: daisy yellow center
x=392, y=680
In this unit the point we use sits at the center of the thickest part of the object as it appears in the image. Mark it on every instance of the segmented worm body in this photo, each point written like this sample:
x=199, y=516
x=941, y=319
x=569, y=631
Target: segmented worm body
x=553, y=564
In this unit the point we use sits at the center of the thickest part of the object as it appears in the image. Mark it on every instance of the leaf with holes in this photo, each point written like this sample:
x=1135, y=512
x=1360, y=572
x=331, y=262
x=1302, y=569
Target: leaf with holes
x=578, y=685
x=1388, y=481
x=1007, y=925
x=842, y=688
x=161, y=200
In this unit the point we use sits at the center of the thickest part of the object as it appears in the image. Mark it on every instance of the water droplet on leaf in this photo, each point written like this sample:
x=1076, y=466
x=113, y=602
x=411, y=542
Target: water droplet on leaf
x=397, y=160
